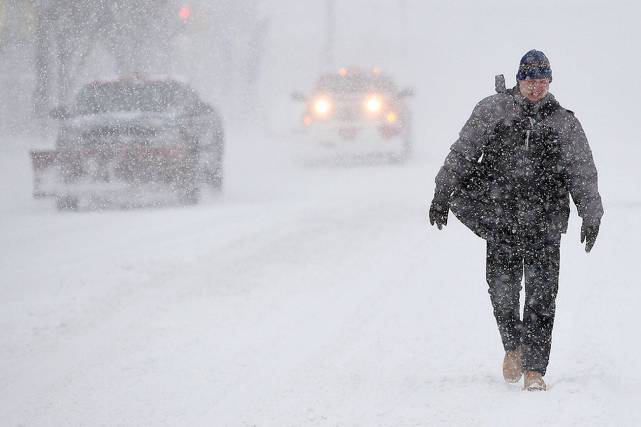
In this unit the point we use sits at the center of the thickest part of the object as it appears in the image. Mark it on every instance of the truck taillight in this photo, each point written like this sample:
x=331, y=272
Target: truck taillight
x=184, y=13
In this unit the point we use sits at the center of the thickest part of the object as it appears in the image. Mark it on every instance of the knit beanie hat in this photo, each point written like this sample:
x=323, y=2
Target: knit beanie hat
x=534, y=65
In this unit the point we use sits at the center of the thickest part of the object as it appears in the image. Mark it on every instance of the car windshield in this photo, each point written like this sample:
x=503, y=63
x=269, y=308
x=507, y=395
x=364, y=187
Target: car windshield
x=353, y=83
x=129, y=96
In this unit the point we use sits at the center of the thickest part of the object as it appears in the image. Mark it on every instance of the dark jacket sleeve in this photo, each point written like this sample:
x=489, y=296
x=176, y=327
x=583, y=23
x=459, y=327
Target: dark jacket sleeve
x=468, y=147
x=581, y=171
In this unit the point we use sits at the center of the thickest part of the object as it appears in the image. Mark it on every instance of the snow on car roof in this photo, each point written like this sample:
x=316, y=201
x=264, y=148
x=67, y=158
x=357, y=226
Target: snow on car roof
x=354, y=80
x=143, y=78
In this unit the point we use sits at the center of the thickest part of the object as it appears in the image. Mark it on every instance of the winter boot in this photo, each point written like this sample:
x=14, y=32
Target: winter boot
x=512, y=365
x=534, y=381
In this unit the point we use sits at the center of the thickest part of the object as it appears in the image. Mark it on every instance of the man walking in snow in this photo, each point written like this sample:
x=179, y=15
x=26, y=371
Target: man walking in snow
x=508, y=177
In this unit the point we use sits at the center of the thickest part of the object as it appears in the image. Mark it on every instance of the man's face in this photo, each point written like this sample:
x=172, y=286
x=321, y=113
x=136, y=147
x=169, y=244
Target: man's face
x=534, y=90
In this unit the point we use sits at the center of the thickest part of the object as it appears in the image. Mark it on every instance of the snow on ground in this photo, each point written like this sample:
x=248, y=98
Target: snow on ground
x=301, y=297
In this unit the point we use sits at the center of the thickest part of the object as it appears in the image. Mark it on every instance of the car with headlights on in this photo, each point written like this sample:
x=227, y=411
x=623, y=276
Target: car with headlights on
x=355, y=113
x=132, y=141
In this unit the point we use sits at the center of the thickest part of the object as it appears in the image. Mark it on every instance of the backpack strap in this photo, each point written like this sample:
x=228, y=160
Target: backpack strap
x=499, y=83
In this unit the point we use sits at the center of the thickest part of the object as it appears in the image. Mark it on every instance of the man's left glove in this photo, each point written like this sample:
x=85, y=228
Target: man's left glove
x=589, y=232
x=439, y=210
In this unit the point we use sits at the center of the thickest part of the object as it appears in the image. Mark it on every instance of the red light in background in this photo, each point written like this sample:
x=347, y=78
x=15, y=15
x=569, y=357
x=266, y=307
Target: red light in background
x=185, y=12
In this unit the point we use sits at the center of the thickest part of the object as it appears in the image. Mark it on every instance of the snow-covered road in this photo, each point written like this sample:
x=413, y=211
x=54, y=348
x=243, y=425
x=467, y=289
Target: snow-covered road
x=301, y=297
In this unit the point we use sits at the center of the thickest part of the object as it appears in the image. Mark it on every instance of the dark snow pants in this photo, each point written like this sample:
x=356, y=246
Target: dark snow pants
x=508, y=259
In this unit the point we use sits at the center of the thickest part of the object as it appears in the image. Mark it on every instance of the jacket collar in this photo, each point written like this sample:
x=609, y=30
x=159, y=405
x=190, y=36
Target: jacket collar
x=545, y=106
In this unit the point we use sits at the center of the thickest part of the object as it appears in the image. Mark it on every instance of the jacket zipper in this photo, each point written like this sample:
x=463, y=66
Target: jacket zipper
x=527, y=134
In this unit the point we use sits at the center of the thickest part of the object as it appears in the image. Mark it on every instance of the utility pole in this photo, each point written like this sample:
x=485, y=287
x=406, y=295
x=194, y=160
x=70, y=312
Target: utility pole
x=402, y=5
x=327, y=52
x=43, y=47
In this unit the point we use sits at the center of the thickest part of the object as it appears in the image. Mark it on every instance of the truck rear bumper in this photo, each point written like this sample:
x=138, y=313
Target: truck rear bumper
x=129, y=176
x=347, y=143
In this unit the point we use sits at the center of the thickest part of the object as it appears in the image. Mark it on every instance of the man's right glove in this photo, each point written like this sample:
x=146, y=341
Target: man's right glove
x=439, y=210
x=589, y=232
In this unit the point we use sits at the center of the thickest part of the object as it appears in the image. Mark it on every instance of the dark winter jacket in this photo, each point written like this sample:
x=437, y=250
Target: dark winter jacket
x=514, y=165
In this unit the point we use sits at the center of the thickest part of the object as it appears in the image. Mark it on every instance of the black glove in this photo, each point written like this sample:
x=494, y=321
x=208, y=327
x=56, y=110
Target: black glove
x=589, y=231
x=439, y=210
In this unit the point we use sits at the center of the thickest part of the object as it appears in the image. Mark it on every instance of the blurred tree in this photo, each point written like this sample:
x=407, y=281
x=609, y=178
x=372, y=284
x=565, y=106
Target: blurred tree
x=133, y=31
x=64, y=36
x=16, y=39
x=63, y=43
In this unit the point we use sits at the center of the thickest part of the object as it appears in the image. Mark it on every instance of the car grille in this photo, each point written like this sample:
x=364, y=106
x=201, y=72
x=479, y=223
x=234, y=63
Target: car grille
x=135, y=163
x=347, y=113
x=114, y=132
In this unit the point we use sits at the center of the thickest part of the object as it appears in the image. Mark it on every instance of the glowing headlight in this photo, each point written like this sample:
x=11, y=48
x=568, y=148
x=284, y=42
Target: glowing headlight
x=373, y=104
x=322, y=106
